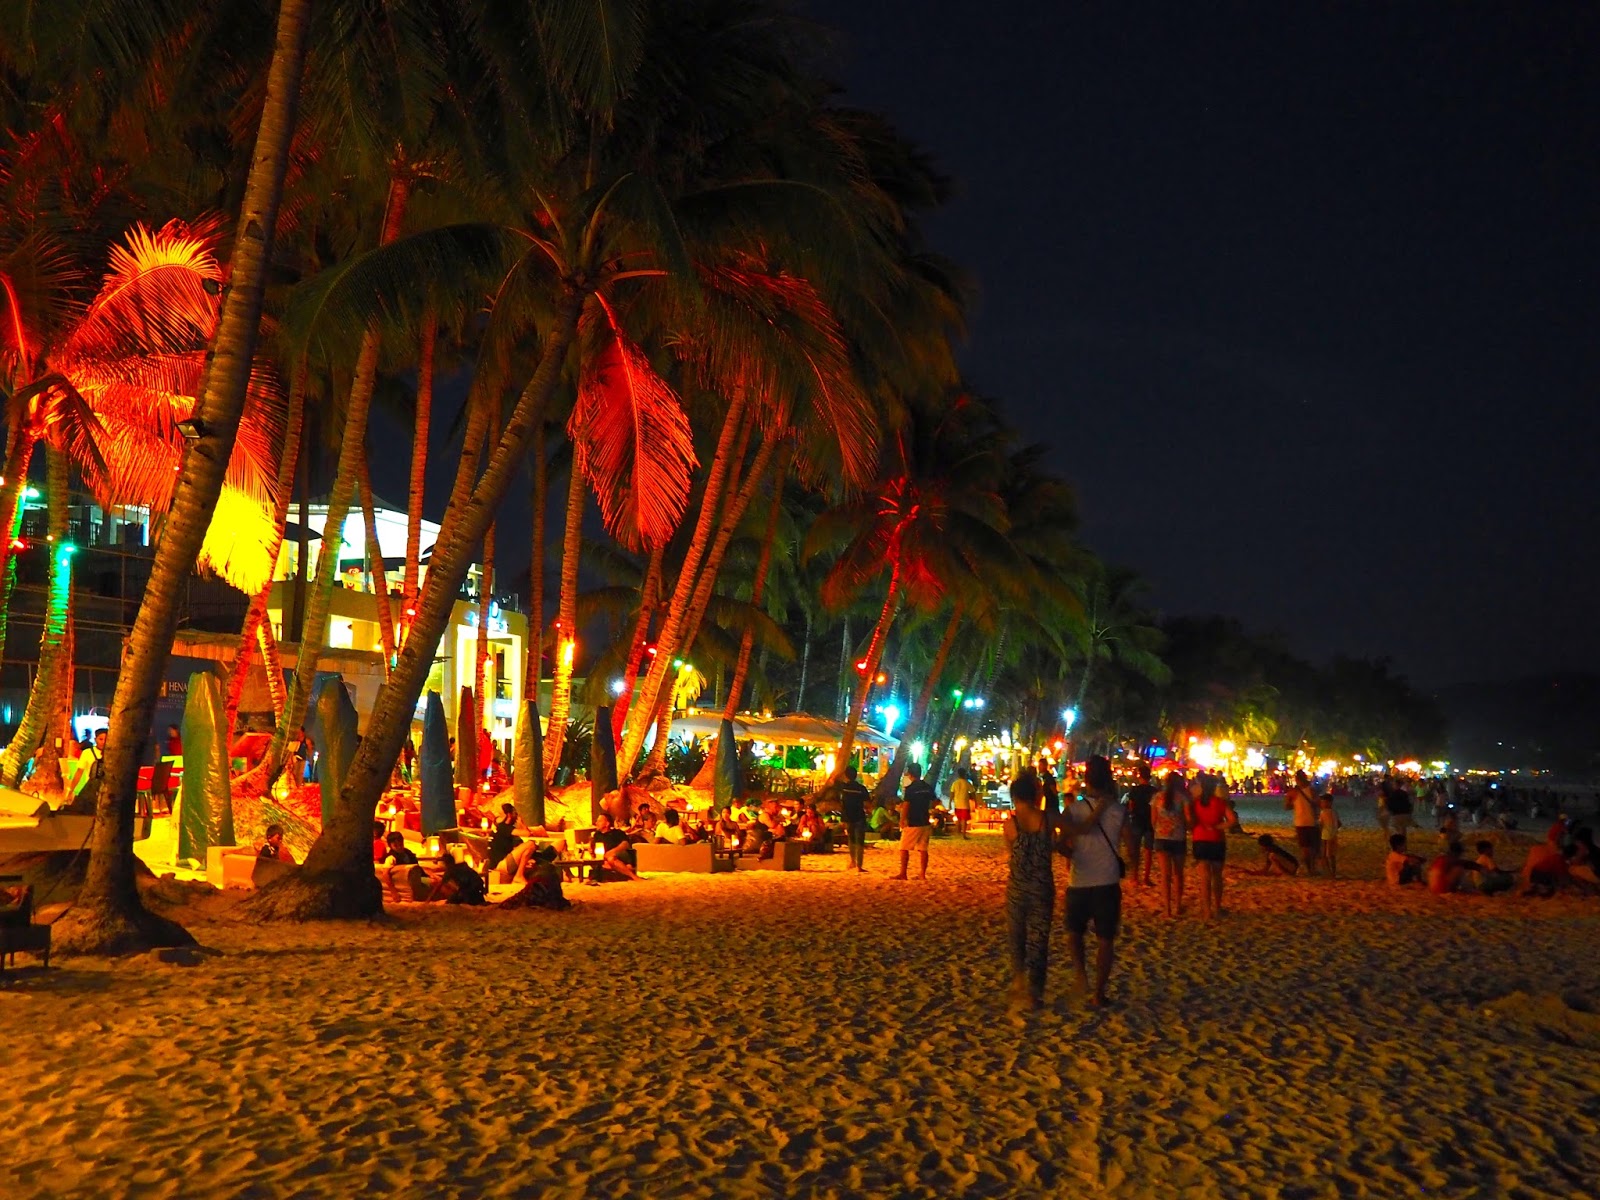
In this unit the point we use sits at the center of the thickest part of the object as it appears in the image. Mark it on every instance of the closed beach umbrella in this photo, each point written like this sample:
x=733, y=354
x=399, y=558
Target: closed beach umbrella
x=438, y=792
x=466, y=741
x=527, y=758
x=726, y=785
x=205, y=802
x=335, y=736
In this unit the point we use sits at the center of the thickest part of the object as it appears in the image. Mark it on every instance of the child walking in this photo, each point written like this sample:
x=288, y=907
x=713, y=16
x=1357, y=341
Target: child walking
x=1329, y=820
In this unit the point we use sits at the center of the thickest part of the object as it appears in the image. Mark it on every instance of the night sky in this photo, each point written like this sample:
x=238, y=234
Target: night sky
x=1305, y=298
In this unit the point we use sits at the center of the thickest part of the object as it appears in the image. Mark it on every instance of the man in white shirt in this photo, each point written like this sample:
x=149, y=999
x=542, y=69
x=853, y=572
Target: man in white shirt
x=1307, y=828
x=1094, y=891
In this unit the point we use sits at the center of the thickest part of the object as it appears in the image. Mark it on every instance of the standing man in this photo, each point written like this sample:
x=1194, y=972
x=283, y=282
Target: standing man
x=1307, y=826
x=1050, y=798
x=853, y=806
x=1094, y=890
x=915, y=829
x=961, y=801
x=1141, y=831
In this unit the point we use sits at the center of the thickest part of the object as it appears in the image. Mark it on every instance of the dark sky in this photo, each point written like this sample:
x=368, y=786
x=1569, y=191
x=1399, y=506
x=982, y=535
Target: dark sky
x=1307, y=298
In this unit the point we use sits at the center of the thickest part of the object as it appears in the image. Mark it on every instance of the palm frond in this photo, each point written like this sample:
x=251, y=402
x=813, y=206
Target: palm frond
x=632, y=441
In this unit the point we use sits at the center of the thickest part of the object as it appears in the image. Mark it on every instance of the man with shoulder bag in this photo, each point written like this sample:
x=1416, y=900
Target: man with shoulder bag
x=1094, y=889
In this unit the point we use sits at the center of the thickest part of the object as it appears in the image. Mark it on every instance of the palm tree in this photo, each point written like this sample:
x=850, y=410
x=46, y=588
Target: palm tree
x=108, y=916
x=936, y=505
x=1116, y=627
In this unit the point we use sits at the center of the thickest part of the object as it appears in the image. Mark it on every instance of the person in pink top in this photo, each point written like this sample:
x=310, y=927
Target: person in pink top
x=1209, y=817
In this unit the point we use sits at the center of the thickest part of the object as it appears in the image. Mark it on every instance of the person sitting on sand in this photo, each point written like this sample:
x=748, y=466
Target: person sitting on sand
x=1275, y=860
x=882, y=823
x=1545, y=869
x=618, y=853
x=1491, y=879
x=813, y=830
x=1582, y=864
x=273, y=847
x=1401, y=869
x=1448, y=871
x=459, y=884
x=541, y=883
x=669, y=830
x=399, y=854
x=380, y=844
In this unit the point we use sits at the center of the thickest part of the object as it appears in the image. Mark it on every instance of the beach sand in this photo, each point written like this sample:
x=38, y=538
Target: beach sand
x=822, y=1034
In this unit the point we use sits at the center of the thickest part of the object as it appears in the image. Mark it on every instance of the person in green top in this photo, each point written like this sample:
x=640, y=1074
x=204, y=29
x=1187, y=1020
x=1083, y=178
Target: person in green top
x=882, y=822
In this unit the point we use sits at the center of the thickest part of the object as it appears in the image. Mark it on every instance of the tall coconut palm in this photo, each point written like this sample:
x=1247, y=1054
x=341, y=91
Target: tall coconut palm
x=108, y=916
x=936, y=501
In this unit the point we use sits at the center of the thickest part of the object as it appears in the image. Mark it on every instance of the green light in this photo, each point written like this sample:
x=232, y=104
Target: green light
x=67, y=548
x=956, y=693
x=31, y=494
x=678, y=662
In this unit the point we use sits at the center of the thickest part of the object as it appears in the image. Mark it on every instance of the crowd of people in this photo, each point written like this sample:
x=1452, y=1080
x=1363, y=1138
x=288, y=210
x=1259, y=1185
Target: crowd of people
x=1149, y=833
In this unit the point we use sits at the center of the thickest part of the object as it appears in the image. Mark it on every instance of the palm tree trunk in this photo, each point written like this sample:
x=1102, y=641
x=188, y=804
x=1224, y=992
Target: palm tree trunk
x=645, y=699
x=108, y=917
x=649, y=601
x=842, y=697
x=12, y=485
x=757, y=590
x=566, y=643
x=805, y=663
x=47, y=778
x=287, y=466
x=533, y=668
x=42, y=696
x=480, y=665
x=336, y=879
x=949, y=728
x=376, y=566
x=419, y=469
x=273, y=665
x=352, y=454
x=480, y=672
x=700, y=598
x=655, y=762
x=295, y=619
x=880, y=634
x=919, y=711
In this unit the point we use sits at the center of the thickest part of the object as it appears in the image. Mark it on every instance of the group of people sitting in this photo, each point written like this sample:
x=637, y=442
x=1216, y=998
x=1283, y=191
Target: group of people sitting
x=1564, y=861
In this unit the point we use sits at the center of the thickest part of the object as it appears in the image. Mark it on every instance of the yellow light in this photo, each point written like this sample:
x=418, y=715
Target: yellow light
x=1225, y=748
x=1203, y=755
x=1329, y=766
x=568, y=649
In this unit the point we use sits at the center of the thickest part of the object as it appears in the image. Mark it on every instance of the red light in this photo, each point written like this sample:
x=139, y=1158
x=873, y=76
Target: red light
x=411, y=612
x=862, y=666
x=18, y=544
x=650, y=650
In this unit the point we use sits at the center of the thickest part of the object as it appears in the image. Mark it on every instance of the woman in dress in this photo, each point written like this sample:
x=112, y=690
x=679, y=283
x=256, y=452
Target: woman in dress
x=1209, y=816
x=1030, y=893
x=1171, y=828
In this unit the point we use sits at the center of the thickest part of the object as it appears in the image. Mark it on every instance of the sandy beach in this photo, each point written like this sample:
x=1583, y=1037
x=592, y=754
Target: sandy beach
x=819, y=1034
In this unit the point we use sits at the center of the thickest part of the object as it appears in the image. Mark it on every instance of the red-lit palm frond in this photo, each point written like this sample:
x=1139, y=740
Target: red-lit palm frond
x=770, y=335
x=37, y=281
x=630, y=438
x=160, y=294
x=137, y=360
